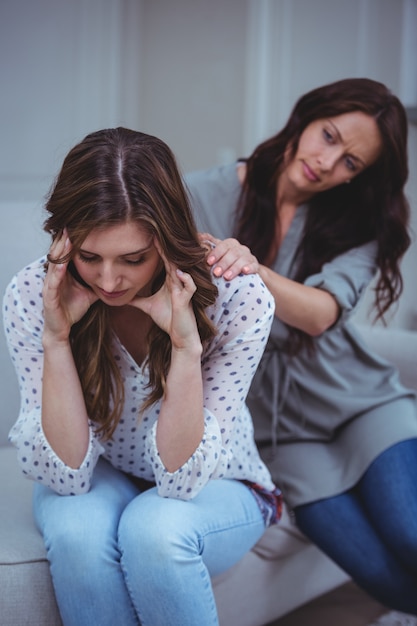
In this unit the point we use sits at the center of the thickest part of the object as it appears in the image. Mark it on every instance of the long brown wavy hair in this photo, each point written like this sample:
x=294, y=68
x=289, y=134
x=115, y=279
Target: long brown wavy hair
x=111, y=177
x=372, y=207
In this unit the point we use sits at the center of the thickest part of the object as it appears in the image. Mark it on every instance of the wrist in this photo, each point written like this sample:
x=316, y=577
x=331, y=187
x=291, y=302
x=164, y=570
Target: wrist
x=51, y=341
x=263, y=272
x=188, y=352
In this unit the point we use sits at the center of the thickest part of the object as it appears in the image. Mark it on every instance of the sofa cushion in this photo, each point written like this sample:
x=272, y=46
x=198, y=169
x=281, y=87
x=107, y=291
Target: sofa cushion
x=21, y=541
x=281, y=540
x=27, y=595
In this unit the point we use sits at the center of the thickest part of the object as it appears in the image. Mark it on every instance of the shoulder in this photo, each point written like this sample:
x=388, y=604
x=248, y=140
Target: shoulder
x=25, y=288
x=212, y=181
x=213, y=195
x=243, y=315
x=30, y=275
x=245, y=293
x=219, y=175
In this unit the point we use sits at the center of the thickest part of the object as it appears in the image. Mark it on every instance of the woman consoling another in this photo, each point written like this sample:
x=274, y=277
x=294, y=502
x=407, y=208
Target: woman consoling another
x=319, y=212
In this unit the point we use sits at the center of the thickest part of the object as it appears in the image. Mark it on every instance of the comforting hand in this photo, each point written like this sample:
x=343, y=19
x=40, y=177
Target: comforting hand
x=65, y=300
x=229, y=258
x=171, y=307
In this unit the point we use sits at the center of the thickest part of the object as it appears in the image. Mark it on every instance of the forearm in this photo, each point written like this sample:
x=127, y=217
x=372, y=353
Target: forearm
x=64, y=414
x=309, y=309
x=181, y=421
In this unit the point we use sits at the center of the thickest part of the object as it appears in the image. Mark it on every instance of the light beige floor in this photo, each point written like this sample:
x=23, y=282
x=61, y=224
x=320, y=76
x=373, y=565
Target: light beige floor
x=346, y=606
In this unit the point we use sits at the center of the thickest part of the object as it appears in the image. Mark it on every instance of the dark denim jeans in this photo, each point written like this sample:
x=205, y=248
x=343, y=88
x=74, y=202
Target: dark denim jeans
x=371, y=530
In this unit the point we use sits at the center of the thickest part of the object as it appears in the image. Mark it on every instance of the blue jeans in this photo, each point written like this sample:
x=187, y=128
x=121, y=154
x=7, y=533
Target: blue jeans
x=121, y=556
x=371, y=531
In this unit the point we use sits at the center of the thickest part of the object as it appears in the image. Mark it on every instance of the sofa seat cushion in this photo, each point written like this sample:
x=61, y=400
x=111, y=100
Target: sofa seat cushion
x=27, y=595
x=21, y=541
x=281, y=540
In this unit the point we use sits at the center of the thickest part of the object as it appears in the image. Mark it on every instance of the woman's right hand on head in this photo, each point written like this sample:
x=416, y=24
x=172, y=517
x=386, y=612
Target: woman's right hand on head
x=65, y=301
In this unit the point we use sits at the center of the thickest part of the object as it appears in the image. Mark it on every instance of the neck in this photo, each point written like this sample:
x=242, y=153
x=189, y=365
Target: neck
x=132, y=327
x=288, y=195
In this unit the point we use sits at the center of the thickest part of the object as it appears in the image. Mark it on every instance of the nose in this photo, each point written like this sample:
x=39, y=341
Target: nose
x=109, y=277
x=327, y=159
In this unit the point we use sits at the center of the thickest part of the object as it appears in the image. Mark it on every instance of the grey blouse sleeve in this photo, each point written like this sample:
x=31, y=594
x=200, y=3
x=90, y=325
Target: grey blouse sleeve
x=347, y=276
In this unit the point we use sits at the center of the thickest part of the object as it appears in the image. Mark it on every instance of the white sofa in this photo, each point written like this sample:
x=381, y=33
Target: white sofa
x=282, y=572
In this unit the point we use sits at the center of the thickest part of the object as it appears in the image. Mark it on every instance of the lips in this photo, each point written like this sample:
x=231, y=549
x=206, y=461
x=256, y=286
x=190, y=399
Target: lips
x=308, y=172
x=113, y=295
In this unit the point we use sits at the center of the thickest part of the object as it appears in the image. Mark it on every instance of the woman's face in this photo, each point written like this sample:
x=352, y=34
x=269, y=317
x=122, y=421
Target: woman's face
x=118, y=263
x=332, y=151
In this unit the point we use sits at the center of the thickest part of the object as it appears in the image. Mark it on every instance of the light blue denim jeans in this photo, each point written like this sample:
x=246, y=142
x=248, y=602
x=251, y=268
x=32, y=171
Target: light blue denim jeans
x=119, y=556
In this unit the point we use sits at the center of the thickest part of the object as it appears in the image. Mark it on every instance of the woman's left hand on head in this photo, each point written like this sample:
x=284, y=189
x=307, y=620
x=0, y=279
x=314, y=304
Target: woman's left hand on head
x=171, y=307
x=229, y=258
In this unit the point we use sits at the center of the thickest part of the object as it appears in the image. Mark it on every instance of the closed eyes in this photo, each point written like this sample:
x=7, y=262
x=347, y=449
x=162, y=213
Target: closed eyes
x=86, y=258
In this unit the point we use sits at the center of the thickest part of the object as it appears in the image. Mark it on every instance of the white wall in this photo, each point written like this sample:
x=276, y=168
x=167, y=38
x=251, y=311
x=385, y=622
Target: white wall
x=62, y=74
x=222, y=76
x=193, y=71
x=210, y=77
x=309, y=43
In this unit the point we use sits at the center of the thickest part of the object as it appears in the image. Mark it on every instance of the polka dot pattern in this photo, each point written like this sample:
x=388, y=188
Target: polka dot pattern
x=243, y=314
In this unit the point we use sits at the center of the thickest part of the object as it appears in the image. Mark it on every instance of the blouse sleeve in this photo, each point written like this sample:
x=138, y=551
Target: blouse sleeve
x=243, y=316
x=23, y=323
x=347, y=276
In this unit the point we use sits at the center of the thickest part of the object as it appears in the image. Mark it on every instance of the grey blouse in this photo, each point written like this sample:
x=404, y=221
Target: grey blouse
x=321, y=420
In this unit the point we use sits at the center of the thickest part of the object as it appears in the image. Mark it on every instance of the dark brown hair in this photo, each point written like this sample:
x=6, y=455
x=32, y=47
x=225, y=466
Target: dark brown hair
x=371, y=207
x=111, y=177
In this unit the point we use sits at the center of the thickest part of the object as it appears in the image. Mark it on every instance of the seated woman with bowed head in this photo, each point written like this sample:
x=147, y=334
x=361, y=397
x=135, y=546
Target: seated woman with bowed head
x=134, y=362
x=318, y=211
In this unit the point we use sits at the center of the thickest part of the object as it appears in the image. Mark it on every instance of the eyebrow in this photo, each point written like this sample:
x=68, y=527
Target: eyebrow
x=337, y=131
x=140, y=251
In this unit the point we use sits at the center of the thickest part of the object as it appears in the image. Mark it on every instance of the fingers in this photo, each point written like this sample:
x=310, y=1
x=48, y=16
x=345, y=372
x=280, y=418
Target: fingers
x=205, y=238
x=229, y=259
x=59, y=249
x=176, y=293
x=174, y=276
x=223, y=252
x=233, y=270
x=186, y=281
